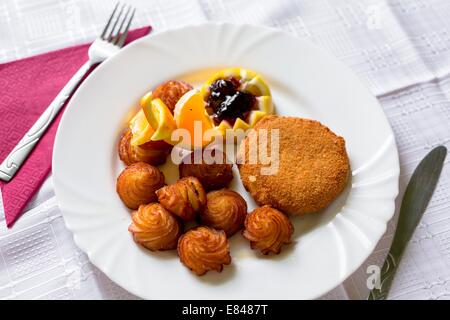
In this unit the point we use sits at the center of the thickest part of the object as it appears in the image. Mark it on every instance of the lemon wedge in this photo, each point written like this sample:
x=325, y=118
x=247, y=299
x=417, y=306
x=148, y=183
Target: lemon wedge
x=250, y=82
x=145, y=99
x=238, y=73
x=255, y=116
x=140, y=129
x=222, y=128
x=160, y=118
x=240, y=124
x=265, y=104
x=256, y=86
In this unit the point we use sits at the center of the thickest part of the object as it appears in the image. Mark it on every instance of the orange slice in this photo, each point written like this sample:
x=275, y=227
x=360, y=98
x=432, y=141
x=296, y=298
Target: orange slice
x=190, y=114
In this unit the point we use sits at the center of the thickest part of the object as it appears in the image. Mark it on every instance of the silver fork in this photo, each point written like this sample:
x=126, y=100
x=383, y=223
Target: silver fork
x=110, y=41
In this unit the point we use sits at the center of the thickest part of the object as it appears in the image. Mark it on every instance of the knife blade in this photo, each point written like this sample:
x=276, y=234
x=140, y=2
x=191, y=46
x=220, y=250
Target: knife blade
x=415, y=200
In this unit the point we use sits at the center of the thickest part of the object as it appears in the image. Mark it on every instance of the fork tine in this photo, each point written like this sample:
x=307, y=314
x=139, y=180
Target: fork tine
x=115, y=39
x=124, y=34
x=109, y=21
x=115, y=24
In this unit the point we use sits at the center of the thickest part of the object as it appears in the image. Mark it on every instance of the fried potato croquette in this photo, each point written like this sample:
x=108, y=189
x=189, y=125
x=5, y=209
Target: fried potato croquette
x=155, y=228
x=212, y=176
x=152, y=152
x=185, y=198
x=137, y=184
x=268, y=230
x=170, y=92
x=225, y=210
x=202, y=249
x=313, y=167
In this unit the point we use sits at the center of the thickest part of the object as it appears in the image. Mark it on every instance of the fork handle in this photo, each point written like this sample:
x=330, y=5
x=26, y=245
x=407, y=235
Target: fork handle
x=17, y=156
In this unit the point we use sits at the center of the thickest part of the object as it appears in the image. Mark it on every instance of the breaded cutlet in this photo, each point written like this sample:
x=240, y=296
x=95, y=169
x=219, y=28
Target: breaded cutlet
x=313, y=166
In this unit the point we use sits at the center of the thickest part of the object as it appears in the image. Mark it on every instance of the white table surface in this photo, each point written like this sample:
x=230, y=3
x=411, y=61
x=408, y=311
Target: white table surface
x=399, y=48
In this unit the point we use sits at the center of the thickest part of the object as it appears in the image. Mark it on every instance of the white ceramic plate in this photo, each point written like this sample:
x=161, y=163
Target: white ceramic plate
x=305, y=82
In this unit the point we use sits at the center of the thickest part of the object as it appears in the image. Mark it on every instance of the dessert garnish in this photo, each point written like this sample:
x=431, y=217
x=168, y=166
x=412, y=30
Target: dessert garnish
x=237, y=98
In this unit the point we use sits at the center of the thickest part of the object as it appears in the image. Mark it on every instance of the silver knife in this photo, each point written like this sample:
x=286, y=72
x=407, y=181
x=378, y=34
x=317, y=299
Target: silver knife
x=415, y=200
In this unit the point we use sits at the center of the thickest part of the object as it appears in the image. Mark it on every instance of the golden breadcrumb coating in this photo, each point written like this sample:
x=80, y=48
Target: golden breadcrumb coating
x=313, y=166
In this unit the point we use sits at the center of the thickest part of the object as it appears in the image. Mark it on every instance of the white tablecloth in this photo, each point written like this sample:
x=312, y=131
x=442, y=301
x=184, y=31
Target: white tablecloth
x=399, y=48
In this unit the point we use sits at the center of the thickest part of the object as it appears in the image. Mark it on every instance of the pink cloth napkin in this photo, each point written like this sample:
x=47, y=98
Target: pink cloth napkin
x=27, y=87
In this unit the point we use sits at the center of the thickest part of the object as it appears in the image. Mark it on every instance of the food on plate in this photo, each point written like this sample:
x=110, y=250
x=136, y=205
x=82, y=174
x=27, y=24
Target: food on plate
x=310, y=168
x=171, y=91
x=212, y=176
x=313, y=167
x=231, y=99
x=155, y=228
x=202, y=249
x=154, y=121
x=151, y=152
x=185, y=198
x=141, y=130
x=160, y=119
x=237, y=97
x=189, y=113
x=267, y=229
x=137, y=184
x=225, y=210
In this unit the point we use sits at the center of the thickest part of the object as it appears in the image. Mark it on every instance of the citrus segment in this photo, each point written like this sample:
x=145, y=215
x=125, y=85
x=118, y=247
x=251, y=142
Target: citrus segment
x=255, y=116
x=145, y=99
x=140, y=129
x=240, y=124
x=190, y=114
x=265, y=104
x=256, y=86
x=160, y=118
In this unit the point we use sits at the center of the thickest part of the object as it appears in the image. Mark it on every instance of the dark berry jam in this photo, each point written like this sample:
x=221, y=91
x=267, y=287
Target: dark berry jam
x=227, y=102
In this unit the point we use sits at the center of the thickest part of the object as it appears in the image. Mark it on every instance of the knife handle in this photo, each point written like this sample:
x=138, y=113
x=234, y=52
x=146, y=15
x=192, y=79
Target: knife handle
x=415, y=200
x=386, y=276
x=17, y=156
